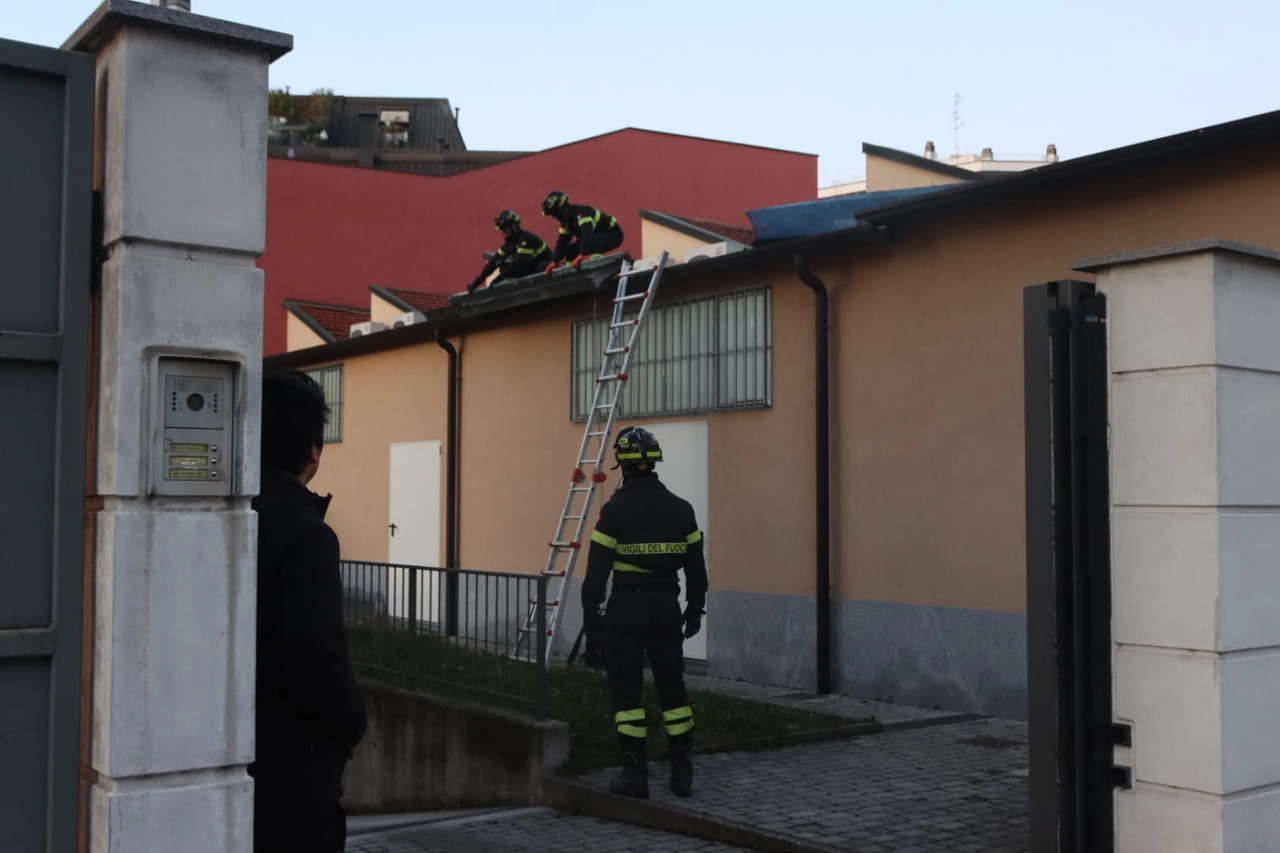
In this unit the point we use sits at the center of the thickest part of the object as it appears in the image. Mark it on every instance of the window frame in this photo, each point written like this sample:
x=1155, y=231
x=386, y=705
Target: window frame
x=333, y=430
x=678, y=328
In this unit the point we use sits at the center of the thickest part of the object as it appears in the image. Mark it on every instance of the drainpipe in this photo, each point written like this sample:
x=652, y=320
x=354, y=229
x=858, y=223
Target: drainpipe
x=451, y=489
x=822, y=420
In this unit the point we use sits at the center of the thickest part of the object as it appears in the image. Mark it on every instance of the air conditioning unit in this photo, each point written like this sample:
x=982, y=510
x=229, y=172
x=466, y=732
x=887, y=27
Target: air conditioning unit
x=359, y=330
x=408, y=318
x=713, y=250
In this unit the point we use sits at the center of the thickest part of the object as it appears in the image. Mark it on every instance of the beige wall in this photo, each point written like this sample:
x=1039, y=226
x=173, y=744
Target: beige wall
x=655, y=239
x=885, y=174
x=392, y=396
x=298, y=335
x=382, y=311
x=927, y=403
x=929, y=469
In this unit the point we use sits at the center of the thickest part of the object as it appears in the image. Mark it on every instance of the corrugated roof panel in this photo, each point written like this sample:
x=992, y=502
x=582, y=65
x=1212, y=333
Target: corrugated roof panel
x=809, y=218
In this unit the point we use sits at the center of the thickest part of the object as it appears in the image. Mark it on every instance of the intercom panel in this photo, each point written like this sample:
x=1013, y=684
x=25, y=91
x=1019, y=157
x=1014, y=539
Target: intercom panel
x=196, y=416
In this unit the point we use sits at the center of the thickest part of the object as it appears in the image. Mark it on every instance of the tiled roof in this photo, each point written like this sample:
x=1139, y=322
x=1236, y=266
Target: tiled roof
x=420, y=300
x=332, y=322
x=740, y=233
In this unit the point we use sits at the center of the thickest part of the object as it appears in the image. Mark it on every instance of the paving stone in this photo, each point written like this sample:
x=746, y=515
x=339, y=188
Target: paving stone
x=530, y=831
x=913, y=788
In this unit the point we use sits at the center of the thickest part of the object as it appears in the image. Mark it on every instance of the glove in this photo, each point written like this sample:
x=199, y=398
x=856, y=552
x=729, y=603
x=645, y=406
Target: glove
x=692, y=621
x=551, y=267
x=578, y=261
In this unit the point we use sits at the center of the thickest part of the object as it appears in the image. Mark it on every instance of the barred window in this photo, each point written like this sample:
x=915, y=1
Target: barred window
x=330, y=379
x=699, y=355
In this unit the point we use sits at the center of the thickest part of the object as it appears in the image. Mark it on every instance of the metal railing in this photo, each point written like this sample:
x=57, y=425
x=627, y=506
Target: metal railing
x=448, y=628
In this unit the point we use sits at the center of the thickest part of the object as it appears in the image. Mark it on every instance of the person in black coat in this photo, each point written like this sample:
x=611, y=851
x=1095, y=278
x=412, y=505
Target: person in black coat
x=309, y=712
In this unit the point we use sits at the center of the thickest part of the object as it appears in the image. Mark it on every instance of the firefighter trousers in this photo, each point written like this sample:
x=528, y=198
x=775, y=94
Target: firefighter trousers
x=643, y=620
x=596, y=244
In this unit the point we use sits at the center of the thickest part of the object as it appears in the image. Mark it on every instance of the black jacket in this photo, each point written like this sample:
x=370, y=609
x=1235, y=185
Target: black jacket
x=309, y=711
x=646, y=535
x=521, y=245
x=579, y=221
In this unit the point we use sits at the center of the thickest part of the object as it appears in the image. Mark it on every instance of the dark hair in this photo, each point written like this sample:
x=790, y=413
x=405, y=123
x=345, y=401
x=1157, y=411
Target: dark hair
x=294, y=414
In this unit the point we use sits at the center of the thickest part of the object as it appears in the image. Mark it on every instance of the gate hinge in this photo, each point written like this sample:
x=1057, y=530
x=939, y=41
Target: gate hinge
x=1121, y=777
x=1122, y=734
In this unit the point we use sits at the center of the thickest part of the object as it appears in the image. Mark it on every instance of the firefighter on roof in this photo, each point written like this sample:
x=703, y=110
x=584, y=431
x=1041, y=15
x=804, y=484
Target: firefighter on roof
x=521, y=253
x=645, y=535
x=585, y=232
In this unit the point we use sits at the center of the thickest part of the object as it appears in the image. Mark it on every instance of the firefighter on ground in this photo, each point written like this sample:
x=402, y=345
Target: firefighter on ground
x=585, y=232
x=521, y=253
x=645, y=535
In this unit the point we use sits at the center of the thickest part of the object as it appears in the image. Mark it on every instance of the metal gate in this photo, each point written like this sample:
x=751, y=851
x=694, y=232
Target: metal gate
x=46, y=151
x=1068, y=570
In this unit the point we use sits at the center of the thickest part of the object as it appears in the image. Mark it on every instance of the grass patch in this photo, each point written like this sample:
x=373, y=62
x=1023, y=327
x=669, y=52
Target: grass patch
x=576, y=695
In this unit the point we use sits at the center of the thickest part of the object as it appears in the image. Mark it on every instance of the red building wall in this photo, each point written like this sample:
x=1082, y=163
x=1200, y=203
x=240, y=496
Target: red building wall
x=334, y=230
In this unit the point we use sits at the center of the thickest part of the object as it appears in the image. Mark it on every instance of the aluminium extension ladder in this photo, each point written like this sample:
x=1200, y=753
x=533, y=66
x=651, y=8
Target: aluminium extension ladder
x=610, y=384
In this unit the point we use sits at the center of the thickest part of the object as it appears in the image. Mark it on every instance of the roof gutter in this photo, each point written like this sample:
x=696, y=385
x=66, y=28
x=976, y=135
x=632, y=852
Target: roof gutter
x=822, y=470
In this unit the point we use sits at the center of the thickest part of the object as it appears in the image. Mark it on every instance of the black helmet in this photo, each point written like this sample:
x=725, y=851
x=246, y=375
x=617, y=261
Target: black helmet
x=636, y=444
x=553, y=202
x=506, y=219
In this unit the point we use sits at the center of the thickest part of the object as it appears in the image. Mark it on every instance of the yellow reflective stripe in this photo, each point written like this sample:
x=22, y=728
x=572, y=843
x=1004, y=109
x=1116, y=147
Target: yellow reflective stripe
x=677, y=713
x=629, y=716
x=627, y=567
x=564, y=230
x=695, y=536
x=633, y=731
x=630, y=455
x=501, y=251
x=524, y=251
x=679, y=728
x=653, y=548
x=604, y=539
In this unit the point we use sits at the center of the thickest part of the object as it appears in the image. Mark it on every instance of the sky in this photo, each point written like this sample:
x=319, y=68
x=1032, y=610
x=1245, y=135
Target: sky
x=802, y=75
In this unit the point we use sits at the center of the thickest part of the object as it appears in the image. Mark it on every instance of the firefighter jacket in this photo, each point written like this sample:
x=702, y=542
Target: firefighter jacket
x=578, y=221
x=520, y=245
x=646, y=535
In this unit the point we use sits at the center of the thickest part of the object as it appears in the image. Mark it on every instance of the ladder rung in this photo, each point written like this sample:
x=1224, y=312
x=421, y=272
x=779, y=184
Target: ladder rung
x=553, y=573
x=601, y=432
x=621, y=376
x=565, y=544
x=555, y=603
x=579, y=488
x=634, y=271
x=625, y=323
x=631, y=296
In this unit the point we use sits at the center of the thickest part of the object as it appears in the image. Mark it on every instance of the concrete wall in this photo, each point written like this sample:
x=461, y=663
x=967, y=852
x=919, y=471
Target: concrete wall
x=928, y=538
x=423, y=752
x=173, y=613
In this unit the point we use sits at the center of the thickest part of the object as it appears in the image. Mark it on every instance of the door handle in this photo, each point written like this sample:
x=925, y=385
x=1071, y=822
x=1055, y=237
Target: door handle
x=392, y=525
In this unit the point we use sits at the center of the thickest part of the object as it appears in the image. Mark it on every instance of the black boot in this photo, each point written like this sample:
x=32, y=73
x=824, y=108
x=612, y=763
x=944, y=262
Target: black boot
x=633, y=781
x=681, y=747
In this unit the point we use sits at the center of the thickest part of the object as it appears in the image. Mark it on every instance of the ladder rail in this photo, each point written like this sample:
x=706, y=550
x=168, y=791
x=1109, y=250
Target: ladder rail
x=612, y=379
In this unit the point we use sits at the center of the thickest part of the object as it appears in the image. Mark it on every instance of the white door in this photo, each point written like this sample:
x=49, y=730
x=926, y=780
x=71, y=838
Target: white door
x=684, y=471
x=414, y=529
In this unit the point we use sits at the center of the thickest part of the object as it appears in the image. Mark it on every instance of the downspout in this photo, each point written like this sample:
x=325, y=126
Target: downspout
x=822, y=421
x=451, y=526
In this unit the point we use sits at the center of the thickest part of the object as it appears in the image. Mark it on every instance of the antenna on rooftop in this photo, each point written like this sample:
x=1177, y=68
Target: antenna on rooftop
x=956, y=123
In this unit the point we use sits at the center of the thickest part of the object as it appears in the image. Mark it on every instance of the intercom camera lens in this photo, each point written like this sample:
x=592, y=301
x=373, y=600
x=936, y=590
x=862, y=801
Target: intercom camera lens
x=195, y=402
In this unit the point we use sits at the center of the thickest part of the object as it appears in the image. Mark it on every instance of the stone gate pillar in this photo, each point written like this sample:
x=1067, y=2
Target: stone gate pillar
x=181, y=165
x=1194, y=342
